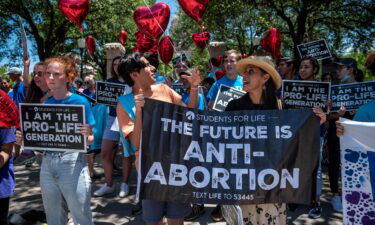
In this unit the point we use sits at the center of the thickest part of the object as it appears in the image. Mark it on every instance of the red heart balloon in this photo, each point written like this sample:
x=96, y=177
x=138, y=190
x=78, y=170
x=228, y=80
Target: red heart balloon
x=271, y=42
x=145, y=43
x=123, y=37
x=244, y=55
x=90, y=44
x=75, y=10
x=201, y=39
x=9, y=116
x=152, y=21
x=194, y=8
x=166, y=49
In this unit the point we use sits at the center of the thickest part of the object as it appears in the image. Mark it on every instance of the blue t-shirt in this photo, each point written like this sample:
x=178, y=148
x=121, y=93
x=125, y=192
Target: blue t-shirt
x=160, y=78
x=100, y=112
x=75, y=99
x=237, y=84
x=7, y=181
x=366, y=113
x=19, y=93
x=10, y=94
x=186, y=98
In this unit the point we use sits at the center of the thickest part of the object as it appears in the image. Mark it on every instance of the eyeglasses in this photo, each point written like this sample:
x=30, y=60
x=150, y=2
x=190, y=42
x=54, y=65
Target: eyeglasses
x=179, y=66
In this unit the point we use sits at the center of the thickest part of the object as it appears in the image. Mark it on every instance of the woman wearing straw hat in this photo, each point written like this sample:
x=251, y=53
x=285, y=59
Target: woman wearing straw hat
x=261, y=81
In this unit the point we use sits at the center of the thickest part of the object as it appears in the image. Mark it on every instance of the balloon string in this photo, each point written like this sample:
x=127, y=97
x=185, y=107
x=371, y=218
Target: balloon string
x=174, y=49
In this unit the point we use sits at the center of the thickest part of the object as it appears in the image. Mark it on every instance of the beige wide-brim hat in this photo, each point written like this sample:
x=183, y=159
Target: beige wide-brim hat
x=263, y=63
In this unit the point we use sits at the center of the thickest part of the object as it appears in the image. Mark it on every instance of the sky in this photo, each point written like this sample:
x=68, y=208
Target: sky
x=173, y=5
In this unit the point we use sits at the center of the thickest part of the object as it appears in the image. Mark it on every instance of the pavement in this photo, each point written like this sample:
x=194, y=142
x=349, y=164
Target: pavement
x=112, y=210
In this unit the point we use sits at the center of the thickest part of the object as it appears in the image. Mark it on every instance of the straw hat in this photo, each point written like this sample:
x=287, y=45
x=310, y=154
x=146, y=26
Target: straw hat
x=263, y=63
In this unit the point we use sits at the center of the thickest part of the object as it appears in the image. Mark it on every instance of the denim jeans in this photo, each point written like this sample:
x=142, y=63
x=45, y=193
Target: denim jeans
x=319, y=174
x=66, y=186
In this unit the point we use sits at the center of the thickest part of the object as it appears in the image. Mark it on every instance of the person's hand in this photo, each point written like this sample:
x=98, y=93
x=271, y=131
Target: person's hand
x=26, y=61
x=342, y=110
x=195, y=79
x=329, y=104
x=139, y=100
x=352, y=113
x=339, y=129
x=19, y=137
x=85, y=129
x=319, y=113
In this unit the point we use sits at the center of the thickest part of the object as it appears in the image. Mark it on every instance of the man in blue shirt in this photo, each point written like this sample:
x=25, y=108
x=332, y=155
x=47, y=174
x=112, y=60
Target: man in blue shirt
x=19, y=89
x=231, y=78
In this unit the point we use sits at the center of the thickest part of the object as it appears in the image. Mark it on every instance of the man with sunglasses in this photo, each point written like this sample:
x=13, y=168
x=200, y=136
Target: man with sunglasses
x=180, y=64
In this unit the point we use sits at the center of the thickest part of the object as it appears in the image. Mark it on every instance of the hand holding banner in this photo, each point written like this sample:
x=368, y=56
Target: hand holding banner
x=53, y=127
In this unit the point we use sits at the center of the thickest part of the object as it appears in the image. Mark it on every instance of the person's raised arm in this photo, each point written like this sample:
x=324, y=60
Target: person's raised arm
x=26, y=71
x=194, y=80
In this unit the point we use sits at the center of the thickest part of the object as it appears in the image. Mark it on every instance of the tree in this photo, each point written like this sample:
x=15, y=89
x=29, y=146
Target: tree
x=343, y=23
x=52, y=34
x=333, y=20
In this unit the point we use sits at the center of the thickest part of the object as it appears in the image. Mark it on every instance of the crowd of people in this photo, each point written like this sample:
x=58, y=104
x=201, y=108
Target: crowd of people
x=65, y=177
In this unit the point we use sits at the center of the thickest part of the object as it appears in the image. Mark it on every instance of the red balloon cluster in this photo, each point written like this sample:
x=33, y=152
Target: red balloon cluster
x=145, y=43
x=152, y=21
x=201, y=39
x=194, y=8
x=123, y=37
x=90, y=44
x=166, y=49
x=271, y=42
x=75, y=10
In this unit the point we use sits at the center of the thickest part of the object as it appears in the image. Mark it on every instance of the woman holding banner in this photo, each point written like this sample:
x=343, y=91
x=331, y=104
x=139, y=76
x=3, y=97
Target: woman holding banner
x=64, y=178
x=261, y=82
x=308, y=71
x=109, y=146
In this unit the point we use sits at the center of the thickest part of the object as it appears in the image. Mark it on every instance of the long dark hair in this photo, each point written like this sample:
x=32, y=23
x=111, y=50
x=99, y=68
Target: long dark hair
x=34, y=93
x=115, y=75
x=269, y=95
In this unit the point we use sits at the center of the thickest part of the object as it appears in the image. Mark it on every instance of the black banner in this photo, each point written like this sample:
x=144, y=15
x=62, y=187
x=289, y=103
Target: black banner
x=225, y=95
x=317, y=49
x=352, y=96
x=53, y=127
x=305, y=94
x=179, y=88
x=236, y=157
x=107, y=93
x=91, y=100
